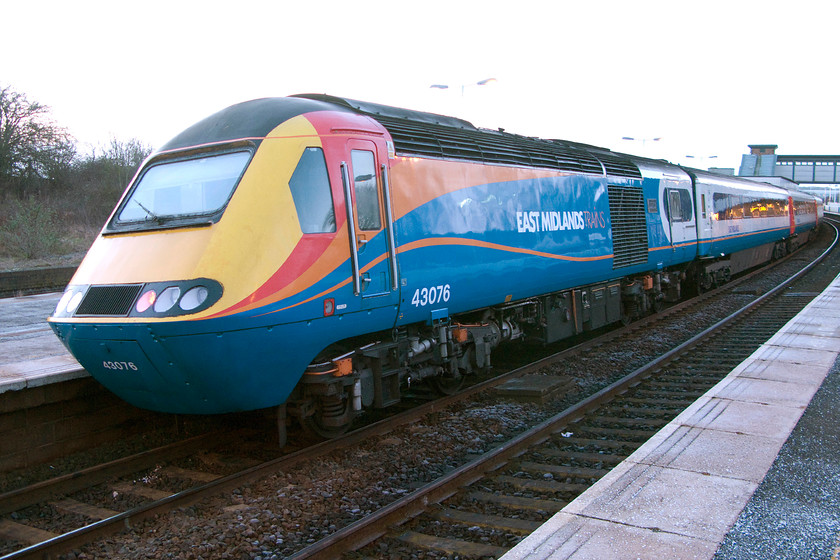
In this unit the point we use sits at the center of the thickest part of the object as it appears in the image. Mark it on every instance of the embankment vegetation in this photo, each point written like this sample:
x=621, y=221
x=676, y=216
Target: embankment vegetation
x=54, y=198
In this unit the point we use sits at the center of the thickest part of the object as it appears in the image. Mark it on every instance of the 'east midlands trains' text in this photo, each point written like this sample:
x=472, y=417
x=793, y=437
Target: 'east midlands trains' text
x=558, y=221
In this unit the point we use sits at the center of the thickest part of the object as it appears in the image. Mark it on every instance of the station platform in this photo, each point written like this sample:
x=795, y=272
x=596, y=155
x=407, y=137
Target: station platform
x=50, y=407
x=750, y=470
x=30, y=353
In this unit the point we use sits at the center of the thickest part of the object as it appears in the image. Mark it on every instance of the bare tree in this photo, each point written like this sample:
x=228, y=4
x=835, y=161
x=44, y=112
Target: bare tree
x=32, y=147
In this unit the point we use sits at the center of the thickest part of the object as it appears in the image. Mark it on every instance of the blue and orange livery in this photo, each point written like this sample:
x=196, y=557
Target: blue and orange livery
x=318, y=253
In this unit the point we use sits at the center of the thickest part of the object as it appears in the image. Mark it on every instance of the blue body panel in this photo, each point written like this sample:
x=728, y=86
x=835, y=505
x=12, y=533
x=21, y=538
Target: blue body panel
x=503, y=241
x=211, y=366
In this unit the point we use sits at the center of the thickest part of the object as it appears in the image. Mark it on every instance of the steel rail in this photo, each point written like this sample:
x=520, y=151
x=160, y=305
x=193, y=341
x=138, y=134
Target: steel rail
x=368, y=529
x=437, y=491
x=26, y=496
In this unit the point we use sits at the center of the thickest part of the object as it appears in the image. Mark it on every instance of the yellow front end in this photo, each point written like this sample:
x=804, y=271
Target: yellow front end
x=254, y=237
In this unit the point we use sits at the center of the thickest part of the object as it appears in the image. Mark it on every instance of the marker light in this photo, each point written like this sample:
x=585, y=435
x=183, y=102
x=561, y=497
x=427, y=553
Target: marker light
x=74, y=302
x=62, y=303
x=193, y=298
x=167, y=299
x=329, y=307
x=145, y=301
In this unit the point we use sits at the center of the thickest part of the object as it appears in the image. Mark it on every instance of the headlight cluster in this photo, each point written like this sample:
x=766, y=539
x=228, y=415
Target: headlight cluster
x=153, y=299
x=164, y=301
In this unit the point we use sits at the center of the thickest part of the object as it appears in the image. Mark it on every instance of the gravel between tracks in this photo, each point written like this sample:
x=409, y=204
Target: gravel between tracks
x=285, y=512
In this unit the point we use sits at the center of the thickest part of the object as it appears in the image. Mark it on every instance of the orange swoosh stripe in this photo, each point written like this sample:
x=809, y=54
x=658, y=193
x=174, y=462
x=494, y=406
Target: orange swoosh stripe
x=441, y=241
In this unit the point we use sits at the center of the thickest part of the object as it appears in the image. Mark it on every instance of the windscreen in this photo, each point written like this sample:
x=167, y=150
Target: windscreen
x=181, y=190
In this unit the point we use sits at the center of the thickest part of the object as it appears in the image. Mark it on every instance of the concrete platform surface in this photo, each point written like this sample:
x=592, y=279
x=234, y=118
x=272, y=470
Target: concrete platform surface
x=30, y=353
x=679, y=495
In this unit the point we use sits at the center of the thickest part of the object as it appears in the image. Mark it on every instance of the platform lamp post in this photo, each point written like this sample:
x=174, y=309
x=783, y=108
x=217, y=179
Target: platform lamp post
x=702, y=159
x=644, y=141
x=463, y=86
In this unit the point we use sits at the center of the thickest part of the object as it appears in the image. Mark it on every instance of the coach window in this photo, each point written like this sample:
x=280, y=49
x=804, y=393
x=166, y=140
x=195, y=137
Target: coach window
x=679, y=205
x=687, y=208
x=310, y=186
x=367, y=196
x=720, y=206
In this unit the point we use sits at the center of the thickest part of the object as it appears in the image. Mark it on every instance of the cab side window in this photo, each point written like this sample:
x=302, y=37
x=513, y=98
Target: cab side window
x=310, y=186
x=367, y=193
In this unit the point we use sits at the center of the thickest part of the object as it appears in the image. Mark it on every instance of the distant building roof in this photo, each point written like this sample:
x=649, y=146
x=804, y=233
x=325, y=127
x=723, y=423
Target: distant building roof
x=763, y=161
x=762, y=149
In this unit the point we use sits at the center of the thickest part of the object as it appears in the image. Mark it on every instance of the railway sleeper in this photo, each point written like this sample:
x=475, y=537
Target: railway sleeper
x=547, y=507
x=451, y=546
x=655, y=423
x=494, y=522
x=561, y=470
x=188, y=474
x=688, y=383
x=616, y=432
x=543, y=486
x=142, y=491
x=589, y=442
x=14, y=531
x=640, y=411
x=675, y=404
x=96, y=513
x=607, y=458
x=700, y=380
x=670, y=391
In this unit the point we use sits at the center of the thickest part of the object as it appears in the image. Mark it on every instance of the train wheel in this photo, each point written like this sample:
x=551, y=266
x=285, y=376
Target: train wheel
x=658, y=305
x=331, y=418
x=704, y=283
x=314, y=426
x=282, y=435
x=445, y=384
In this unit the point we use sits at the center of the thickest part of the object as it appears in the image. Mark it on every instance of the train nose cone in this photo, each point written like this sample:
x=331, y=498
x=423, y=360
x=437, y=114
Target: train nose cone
x=190, y=373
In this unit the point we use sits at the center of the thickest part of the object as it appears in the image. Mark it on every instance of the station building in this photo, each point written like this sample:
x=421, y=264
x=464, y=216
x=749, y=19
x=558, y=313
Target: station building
x=817, y=175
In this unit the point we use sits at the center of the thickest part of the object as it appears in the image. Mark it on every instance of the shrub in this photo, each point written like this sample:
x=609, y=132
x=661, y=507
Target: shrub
x=29, y=229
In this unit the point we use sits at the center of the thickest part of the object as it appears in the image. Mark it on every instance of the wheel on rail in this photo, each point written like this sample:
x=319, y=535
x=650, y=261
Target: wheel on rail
x=446, y=384
x=315, y=427
x=331, y=418
x=282, y=433
x=658, y=305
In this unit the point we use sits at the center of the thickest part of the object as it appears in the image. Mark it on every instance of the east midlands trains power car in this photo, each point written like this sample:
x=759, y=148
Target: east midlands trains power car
x=318, y=254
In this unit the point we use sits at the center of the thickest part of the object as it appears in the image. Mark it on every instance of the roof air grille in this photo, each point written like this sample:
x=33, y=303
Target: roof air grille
x=427, y=139
x=427, y=134
x=617, y=166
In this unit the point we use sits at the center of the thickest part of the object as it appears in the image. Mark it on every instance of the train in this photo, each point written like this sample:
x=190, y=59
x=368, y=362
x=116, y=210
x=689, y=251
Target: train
x=317, y=255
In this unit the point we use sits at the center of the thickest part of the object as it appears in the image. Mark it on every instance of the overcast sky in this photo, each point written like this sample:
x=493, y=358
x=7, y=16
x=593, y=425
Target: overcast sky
x=707, y=77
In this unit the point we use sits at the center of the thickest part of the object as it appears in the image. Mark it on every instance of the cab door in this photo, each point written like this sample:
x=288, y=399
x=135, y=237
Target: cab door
x=373, y=251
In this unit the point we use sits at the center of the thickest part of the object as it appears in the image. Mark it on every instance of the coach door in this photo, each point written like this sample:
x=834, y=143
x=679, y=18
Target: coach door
x=373, y=252
x=681, y=221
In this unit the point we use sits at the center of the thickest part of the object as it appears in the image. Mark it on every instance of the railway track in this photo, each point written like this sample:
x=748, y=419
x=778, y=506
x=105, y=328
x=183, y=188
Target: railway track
x=541, y=481
x=481, y=509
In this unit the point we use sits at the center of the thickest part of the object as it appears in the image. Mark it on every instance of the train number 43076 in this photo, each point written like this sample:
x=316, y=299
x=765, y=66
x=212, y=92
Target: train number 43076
x=430, y=295
x=122, y=366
